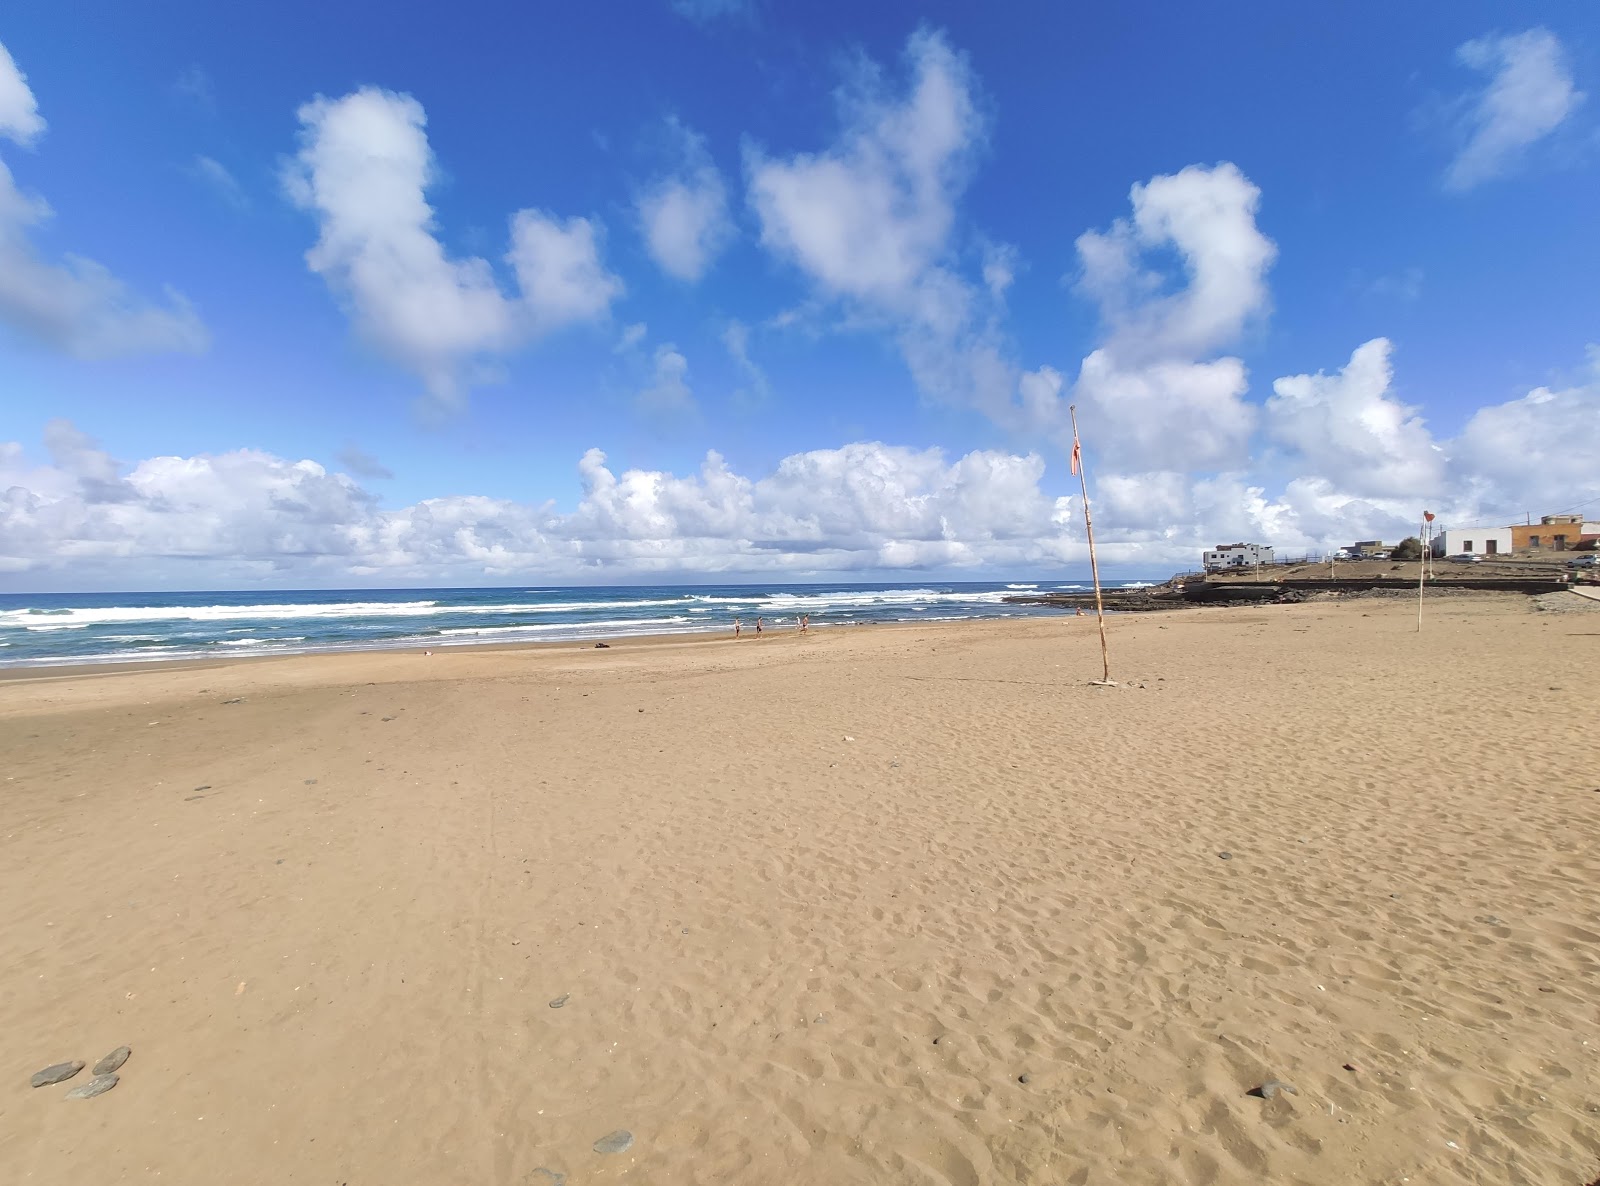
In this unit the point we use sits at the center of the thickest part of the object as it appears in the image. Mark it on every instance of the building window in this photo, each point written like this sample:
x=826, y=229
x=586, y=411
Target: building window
x=1466, y=545
x=1533, y=541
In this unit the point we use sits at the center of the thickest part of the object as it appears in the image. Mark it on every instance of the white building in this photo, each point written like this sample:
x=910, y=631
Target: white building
x=1473, y=541
x=1225, y=557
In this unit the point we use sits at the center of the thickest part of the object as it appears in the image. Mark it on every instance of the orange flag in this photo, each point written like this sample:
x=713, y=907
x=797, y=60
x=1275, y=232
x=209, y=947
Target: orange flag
x=1077, y=454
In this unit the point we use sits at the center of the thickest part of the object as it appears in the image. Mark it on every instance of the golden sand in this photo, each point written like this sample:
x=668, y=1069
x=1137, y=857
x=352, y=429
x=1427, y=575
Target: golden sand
x=818, y=905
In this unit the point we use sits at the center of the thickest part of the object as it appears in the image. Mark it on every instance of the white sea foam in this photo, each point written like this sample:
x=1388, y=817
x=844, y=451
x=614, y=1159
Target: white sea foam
x=569, y=627
x=756, y=602
x=100, y=615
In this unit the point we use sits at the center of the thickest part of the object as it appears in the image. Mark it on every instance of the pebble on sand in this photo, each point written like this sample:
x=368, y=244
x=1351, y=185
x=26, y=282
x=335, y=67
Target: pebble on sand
x=615, y=1142
x=99, y=1085
x=544, y=1177
x=1271, y=1088
x=112, y=1061
x=59, y=1073
x=559, y=1001
x=1227, y=856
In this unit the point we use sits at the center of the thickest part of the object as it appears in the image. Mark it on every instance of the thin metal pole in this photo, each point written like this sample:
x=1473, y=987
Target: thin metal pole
x=1094, y=564
x=1422, y=571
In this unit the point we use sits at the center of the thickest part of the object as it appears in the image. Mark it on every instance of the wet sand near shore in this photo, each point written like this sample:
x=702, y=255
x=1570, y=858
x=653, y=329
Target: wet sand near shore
x=884, y=905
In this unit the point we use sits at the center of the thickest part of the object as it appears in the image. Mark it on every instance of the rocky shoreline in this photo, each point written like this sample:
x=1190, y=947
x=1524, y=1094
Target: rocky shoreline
x=1183, y=592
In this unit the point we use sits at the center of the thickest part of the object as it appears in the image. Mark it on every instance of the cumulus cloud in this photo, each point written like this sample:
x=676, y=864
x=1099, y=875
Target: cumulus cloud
x=1529, y=94
x=865, y=507
x=1155, y=393
x=871, y=221
x=363, y=169
x=1348, y=426
x=684, y=214
x=1538, y=451
x=77, y=305
x=1365, y=466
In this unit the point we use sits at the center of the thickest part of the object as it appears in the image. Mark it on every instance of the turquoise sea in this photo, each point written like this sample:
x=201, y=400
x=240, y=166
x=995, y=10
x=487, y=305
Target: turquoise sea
x=38, y=629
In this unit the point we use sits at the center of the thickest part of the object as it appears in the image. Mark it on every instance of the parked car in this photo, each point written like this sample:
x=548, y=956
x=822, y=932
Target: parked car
x=1592, y=560
x=1466, y=558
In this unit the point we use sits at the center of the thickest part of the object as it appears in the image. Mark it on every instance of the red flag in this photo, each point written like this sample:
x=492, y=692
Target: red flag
x=1077, y=454
x=1428, y=515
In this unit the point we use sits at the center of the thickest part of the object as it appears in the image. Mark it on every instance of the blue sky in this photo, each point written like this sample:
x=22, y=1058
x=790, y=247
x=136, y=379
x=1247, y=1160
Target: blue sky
x=365, y=293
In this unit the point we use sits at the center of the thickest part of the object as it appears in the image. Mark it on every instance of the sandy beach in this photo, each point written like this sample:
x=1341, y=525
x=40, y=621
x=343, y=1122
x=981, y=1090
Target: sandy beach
x=882, y=905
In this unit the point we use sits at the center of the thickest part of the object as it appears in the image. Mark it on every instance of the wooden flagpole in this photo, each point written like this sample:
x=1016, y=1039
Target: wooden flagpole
x=1094, y=564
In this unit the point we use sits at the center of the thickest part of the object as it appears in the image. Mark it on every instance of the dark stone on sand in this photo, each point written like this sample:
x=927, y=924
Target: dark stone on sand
x=207, y=787
x=99, y=1085
x=559, y=1001
x=1271, y=1088
x=1350, y=1066
x=59, y=1073
x=1024, y=1078
x=311, y=782
x=112, y=1061
x=235, y=700
x=1227, y=856
x=615, y=1142
x=544, y=1177
x=602, y=646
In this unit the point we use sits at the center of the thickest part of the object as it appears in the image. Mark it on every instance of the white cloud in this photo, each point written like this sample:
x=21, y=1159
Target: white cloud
x=1347, y=427
x=19, y=110
x=668, y=393
x=871, y=221
x=684, y=214
x=1366, y=467
x=187, y=521
x=215, y=174
x=1529, y=94
x=363, y=168
x=76, y=306
x=1535, y=452
x=1155, y=394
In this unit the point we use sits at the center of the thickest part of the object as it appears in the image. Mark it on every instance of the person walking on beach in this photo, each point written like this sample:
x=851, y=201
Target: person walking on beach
x=805, y=623
x=738, y=625
x=758, y=627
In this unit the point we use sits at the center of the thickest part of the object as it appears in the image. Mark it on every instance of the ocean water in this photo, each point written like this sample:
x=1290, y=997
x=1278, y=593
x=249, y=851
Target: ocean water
x=38, y=629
